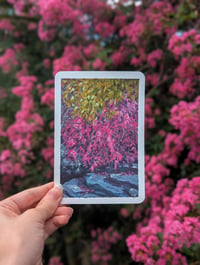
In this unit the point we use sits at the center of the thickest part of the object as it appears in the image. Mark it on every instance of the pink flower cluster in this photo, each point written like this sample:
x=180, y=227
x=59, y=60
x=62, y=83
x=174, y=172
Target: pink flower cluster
x=170, y=227
x=135, y=29
x=8, y=60
x=150, y=113
x=11, y=168
x=48, y=152
x=98, y=64
x=27, y=121
x=157, y=172
x=55, y=261
x=188, y=76
x=104, y=29
x=184, y=44
x=21, y=134
x=56, y=12
x=159, y=16
x=173, y=222
x=5, y=24
x=186, y=118
x=71, y=60
x=48, y=98
x=154, y=57
x=20, y=7
x=102, y=242
x=149, y=117
x=185, y=49
x=120, y=56
x=45, y=33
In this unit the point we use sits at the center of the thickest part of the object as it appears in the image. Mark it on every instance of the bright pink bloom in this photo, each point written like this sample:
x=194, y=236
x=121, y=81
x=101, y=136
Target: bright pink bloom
x=98, y=64
x=8, y=60
x=55, y=261
x=154, y=57
x=5, y=24
x=45, y=34
x=104, y=29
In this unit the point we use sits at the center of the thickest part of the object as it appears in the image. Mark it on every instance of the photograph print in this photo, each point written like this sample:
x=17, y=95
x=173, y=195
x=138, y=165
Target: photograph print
x=99, y=138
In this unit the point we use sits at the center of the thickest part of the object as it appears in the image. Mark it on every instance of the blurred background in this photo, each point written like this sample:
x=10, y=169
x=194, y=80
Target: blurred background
x=38, y=38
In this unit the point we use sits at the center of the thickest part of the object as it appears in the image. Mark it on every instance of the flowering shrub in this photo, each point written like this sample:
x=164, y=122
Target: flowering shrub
x=170, y=228
x=159, y=38
x=101, y=246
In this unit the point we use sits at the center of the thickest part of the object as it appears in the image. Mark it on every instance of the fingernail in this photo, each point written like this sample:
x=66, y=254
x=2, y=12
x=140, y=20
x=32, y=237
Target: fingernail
x=68, y=216
x=55, y=193
x=72, y=210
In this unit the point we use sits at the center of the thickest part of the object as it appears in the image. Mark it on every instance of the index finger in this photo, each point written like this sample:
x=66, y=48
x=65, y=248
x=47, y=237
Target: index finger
x=26, y=199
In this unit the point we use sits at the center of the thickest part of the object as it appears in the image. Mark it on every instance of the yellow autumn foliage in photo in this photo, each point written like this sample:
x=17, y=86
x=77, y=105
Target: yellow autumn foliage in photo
x=89, y=97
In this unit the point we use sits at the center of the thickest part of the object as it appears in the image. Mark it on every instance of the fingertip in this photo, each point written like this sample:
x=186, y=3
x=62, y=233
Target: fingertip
x=61, y=220
x=70, y=211
x=55, y=193
x=49, y=185
x=58, y=185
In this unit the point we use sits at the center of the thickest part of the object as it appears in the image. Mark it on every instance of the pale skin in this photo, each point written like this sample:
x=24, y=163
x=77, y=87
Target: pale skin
x=27, y=219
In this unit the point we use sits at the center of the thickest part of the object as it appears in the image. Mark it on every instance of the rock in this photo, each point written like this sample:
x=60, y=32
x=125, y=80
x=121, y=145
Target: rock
x=133, y=192
x=99, y=184
x=134, y=166
x=77, y=188
x=131, y=180
x=128, y=182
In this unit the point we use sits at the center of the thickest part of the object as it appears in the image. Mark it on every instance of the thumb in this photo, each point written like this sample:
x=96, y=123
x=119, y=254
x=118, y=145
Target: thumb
x=50, y=202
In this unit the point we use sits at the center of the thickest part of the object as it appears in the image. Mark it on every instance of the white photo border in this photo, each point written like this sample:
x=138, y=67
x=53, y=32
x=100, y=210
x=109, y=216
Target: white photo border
x=57, y=133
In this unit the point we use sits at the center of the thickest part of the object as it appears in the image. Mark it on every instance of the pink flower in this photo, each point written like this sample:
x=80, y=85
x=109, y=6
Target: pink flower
x=26, y=86
x=136, y=61
x=5, y=155
x=90, y=50
x=47, y=63
x=8, y=60
x=54, y=12
x=153, y=79
x=44, y=33
x=185, y=116
x=98, y=64
x=120, y=56
x=5, y=24
x=124, y=212
x=32, y=26
x=104, y=29
x=135, y=29
x=72, y=59
x=154, y=57
x=48, y=98
x=120, y=20
x=102, y=243
x=183, y=44
x=55, y=261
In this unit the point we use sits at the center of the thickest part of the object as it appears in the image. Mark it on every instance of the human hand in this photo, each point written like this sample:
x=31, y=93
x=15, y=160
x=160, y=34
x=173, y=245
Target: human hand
x=26, y=221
